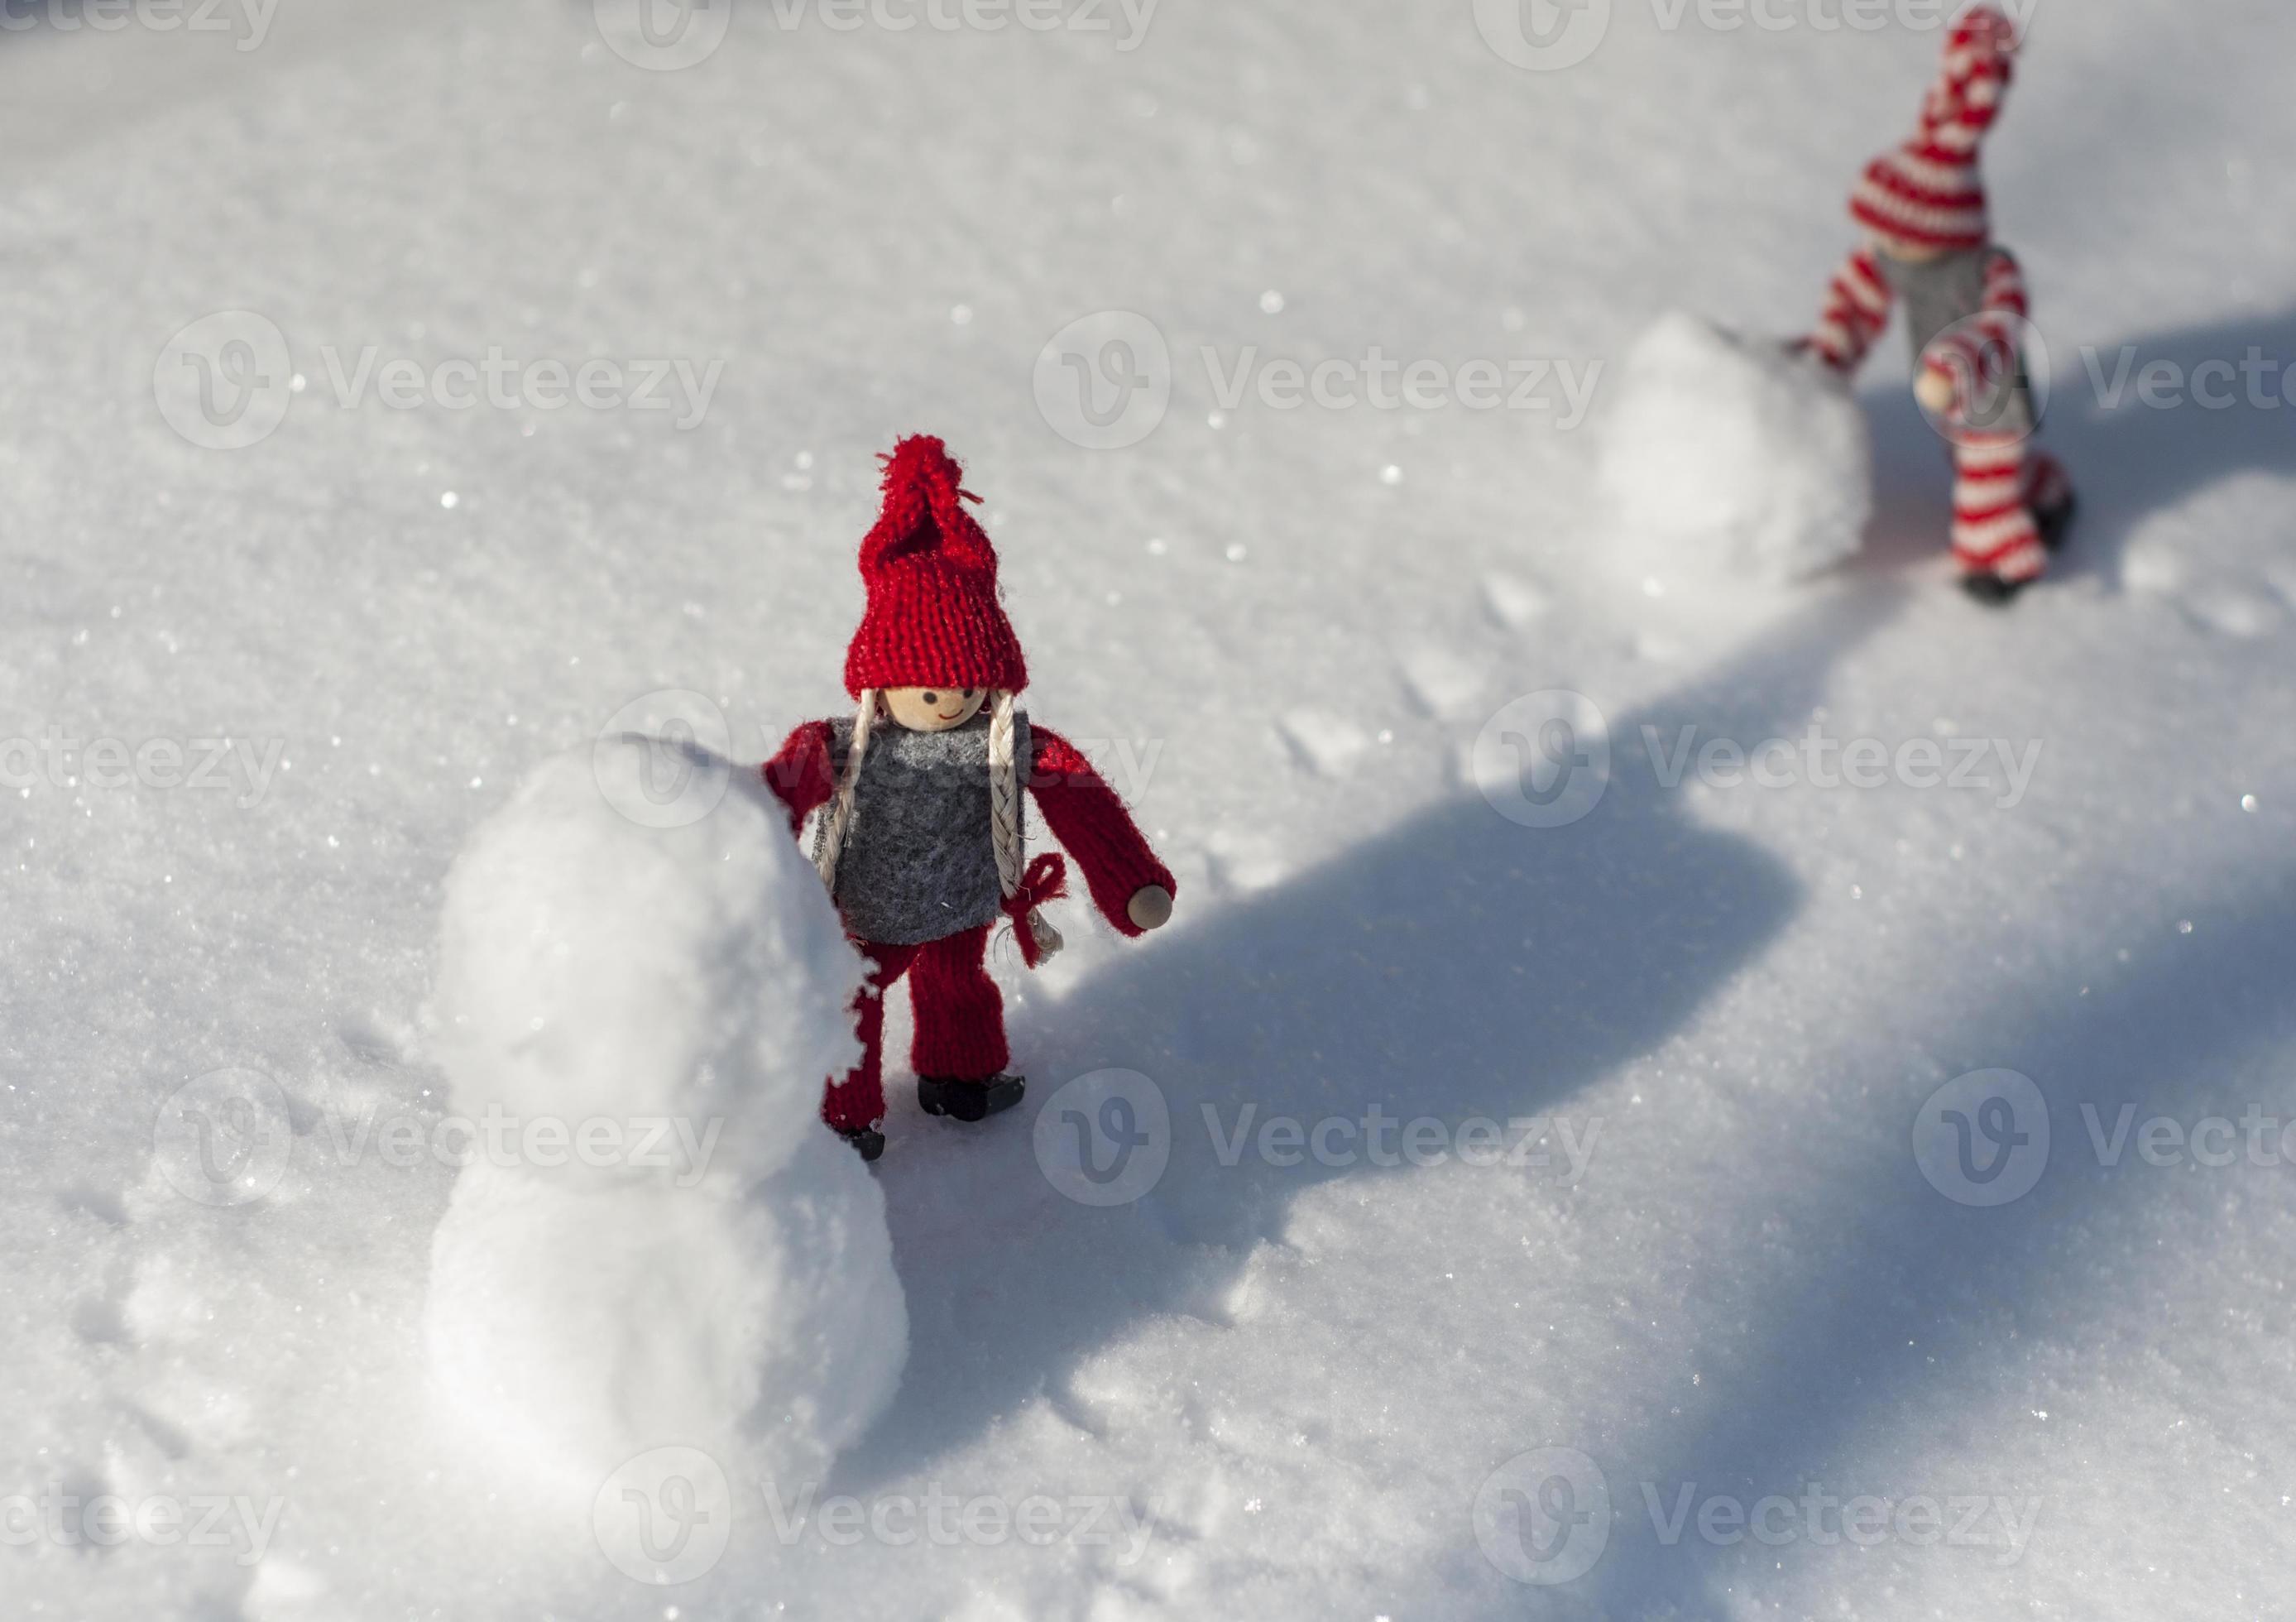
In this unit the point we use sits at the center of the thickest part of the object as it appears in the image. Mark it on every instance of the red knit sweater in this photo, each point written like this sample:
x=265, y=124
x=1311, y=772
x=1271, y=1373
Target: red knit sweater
x=1080, y=808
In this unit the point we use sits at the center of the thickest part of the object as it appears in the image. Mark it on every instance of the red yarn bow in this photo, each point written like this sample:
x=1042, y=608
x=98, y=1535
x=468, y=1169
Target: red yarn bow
x=1046, y=879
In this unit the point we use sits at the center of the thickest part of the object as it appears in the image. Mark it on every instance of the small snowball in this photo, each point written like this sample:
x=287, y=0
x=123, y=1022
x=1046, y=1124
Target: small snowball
x=1730, y=456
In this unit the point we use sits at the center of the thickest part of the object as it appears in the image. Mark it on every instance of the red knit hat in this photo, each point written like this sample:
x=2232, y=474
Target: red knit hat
x=1928, y=193
x=933, y=619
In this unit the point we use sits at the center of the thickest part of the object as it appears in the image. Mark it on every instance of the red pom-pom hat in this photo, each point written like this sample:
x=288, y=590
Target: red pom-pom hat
x=933, y=618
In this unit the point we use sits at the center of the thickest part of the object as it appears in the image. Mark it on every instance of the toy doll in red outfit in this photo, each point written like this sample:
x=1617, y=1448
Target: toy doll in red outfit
x=922, y=831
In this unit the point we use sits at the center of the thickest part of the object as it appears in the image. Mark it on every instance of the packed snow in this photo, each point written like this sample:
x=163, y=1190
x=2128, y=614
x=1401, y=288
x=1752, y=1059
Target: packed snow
x=651, y=1242
x=1735, y=458
x=1524, y=1178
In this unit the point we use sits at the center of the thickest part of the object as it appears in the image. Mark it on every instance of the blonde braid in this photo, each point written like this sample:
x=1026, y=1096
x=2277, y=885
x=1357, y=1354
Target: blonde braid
x=838, y=823
x=1004, y=814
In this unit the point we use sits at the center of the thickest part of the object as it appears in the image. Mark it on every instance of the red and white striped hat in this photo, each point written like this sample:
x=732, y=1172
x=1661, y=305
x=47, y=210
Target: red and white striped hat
x=1928, y=193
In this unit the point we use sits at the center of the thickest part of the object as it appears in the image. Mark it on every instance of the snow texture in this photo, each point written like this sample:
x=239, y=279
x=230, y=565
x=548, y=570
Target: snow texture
x=1733, y=456
x=717, y=1273
x=1736, y=456
x=1299, y=1375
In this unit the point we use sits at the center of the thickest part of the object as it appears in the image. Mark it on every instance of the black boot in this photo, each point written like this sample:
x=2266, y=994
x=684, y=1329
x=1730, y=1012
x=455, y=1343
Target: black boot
x=973, y=1101
x=2054, y=523
x=867, y=1142
x=1991, y=588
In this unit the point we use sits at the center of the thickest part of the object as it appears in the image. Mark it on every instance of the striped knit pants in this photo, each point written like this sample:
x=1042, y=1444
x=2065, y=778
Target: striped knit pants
x=1999, y=482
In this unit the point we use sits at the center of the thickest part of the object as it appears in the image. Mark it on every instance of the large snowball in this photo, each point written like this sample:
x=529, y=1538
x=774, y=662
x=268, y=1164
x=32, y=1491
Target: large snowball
x=730, y=1288
x=575, y=1330
x=1732, y=457
x=637, y=934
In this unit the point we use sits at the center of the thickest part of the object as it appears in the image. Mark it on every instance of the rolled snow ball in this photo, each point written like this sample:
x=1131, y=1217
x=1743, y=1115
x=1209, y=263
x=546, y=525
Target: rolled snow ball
x=600, y=974
x=654, y=1243
x=1736, y=457
x=577, y=1330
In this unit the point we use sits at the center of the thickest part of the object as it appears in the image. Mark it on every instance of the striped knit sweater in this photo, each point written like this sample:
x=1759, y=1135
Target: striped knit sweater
x=1997, y=486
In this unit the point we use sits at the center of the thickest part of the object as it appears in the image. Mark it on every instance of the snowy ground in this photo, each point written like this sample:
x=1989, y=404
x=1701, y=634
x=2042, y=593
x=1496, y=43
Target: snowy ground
x=1259, y=1388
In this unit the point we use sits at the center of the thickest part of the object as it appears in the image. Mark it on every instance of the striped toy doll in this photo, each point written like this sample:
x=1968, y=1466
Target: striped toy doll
x=1929, y=247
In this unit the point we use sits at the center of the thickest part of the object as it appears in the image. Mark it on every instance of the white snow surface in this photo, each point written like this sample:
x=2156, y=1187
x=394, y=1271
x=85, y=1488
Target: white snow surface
x=1732, y=457
x=1284, y=632
x=639, y=996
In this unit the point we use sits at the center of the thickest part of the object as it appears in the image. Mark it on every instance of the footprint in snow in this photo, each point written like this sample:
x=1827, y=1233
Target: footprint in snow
x=1513, y=601
x=370, y=1043
x=2235, y=611
x=1245, y=860
x=1444, y=684
x=85, y=1199
x=101, y=1319
x=2236, y=608
x=1327, y=745
x=2155, y=569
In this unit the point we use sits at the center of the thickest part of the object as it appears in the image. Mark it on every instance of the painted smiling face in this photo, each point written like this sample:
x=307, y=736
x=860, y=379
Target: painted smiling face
x=934, y=709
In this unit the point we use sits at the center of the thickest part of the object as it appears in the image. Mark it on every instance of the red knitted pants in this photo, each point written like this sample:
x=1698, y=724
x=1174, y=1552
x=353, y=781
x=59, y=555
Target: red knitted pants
x=960, y=1021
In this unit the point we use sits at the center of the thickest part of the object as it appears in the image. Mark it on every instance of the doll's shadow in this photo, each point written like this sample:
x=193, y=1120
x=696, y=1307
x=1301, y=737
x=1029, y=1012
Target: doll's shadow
x=1460, y=966
x=1921, y=1297
x=2128, y=460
